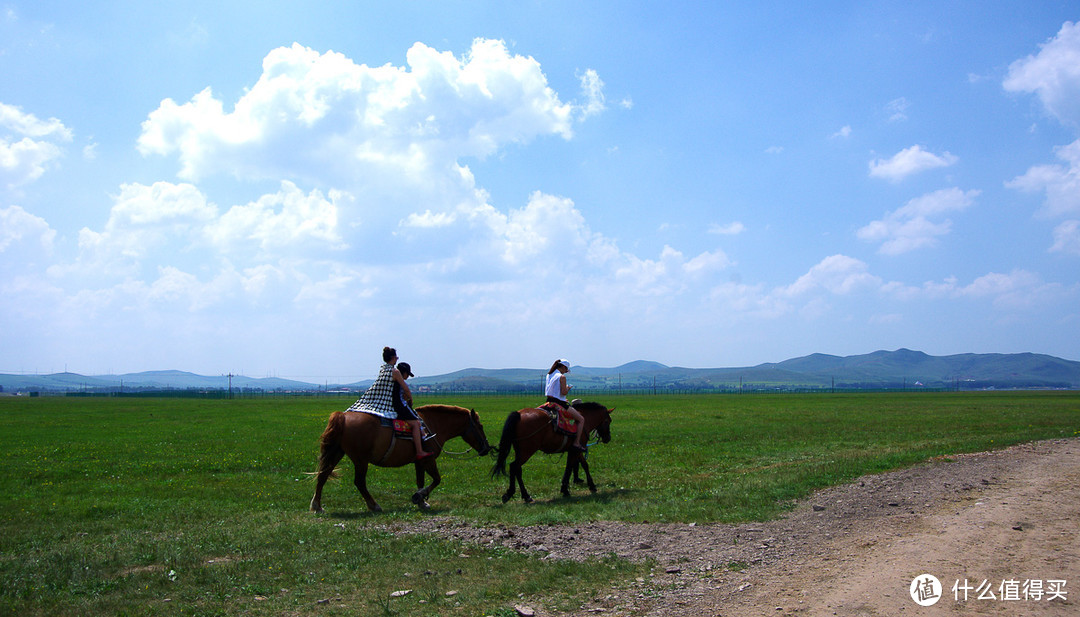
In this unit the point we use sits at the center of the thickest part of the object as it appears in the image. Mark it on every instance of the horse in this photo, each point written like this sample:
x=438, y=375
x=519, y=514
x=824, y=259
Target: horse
x=362, y=437
x=529, y=430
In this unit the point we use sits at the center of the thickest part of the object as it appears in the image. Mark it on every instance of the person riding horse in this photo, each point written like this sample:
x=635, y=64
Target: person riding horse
x=556, y=391
x=382, y=398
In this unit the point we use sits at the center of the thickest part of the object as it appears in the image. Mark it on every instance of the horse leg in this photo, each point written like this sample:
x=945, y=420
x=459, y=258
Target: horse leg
x=588, y=476
x=571, y=468
x=422, y=492
x=323, y=476
x=515, y=472
x=360, y=480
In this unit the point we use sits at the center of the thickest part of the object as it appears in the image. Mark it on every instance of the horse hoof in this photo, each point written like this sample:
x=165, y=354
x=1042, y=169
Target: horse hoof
x=592, y=489
x=506, y=498
x=423, y=505
x=418, y=498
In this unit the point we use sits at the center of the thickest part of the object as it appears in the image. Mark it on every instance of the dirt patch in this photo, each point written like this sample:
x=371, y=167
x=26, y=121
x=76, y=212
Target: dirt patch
x=999, y=517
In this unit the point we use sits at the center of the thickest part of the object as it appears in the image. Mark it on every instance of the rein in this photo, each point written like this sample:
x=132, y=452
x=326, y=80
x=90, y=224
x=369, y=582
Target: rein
x=469, y=426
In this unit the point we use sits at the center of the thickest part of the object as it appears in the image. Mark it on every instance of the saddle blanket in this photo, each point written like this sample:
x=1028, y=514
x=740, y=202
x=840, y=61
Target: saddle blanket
x=402, y=430
x=560, y=418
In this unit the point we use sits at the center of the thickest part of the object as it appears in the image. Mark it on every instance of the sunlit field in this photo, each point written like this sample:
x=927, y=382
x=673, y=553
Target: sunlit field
x=200, y=507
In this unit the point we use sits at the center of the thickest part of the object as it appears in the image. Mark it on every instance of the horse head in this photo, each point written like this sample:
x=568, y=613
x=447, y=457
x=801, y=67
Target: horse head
x=604, y=428
x=600, y=414
x=474, y=434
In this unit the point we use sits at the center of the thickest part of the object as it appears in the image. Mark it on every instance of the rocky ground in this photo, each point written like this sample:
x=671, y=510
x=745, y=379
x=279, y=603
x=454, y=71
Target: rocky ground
x=1003, y=516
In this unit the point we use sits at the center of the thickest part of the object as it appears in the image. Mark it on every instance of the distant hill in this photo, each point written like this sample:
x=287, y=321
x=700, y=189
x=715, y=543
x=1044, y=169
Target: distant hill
x=902, y=368
x=148, y=380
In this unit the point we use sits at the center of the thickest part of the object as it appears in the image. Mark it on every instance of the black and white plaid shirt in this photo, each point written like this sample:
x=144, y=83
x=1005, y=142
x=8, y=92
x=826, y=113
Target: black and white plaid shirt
x=379, y=399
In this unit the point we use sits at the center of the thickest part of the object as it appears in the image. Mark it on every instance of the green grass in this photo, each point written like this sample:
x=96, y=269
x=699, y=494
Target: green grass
x=199, y=507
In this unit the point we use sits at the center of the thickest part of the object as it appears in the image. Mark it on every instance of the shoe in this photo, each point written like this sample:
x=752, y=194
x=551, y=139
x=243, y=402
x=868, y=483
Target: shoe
x=424, y=455
x=579, y=448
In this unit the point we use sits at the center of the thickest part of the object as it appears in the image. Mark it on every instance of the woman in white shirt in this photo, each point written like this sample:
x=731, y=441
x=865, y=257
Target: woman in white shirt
x=556, y=391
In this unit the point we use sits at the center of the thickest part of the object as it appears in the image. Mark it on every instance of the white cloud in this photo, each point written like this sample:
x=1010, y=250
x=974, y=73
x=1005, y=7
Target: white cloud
x=843, y=133
x=321, y=115
x=593, y=89
x=1067, y=238
x=837, y=274
x=14, y=119
x=733, y=228
x=279, y=222
x=909, y=161
x=1060, y=182
x=1053, y=74
x=17, y=225
x=897, y=109
x=915, y=225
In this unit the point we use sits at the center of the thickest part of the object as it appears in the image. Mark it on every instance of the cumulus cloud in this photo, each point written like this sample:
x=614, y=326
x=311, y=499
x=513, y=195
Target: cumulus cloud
x=918, y=224
x=1053, y=74
x=837, y=274
x=28, y=145
x=1061, y=183
x=280, y=222
x=909, y=161
x=321, y=114
x=18, y=226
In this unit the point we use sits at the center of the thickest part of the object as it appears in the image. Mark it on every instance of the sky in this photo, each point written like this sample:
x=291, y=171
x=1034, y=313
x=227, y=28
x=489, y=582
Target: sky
x=283, y=188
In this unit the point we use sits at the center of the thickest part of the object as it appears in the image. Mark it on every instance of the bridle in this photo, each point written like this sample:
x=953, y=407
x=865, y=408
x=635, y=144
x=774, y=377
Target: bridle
x=474, y=430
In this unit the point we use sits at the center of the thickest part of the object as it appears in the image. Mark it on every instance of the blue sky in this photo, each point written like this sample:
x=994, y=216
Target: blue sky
x=283, y=188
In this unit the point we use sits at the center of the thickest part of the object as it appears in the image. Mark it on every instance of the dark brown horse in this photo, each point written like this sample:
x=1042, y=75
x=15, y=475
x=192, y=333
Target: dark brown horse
x=530, y=430
x=365, y=440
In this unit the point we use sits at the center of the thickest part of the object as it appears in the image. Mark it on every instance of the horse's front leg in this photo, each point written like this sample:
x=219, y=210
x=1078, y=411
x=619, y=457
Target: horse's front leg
x=360, y=480
x=588, y=476
x=423, y=492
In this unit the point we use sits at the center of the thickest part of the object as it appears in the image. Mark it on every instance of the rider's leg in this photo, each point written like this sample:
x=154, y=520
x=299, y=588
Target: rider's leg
x=579, y=423
x=417, y=439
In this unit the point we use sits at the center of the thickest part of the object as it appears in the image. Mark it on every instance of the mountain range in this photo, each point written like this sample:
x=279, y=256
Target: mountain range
x=902, y=368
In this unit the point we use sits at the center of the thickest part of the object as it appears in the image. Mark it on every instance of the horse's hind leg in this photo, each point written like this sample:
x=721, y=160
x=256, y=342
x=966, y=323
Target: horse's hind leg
x=571, y=468
x=515, y=472
x=513, y=478
x=323, y=476
x=360, y=481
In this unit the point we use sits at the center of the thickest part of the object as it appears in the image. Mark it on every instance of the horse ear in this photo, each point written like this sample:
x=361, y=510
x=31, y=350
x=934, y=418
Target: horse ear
x=611, y=410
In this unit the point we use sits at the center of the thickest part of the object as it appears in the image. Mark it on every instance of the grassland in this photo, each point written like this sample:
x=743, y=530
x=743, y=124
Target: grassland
x=138, y=506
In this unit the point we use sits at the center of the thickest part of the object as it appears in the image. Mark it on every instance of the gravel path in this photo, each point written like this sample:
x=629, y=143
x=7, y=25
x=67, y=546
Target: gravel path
x=997, y=516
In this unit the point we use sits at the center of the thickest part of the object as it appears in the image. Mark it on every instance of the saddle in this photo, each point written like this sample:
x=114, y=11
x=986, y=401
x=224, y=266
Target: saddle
x=561, y=420
x=402, y=430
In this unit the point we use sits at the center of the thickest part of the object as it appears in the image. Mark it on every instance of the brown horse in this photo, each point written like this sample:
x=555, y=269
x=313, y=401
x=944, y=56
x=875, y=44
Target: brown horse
x=530, y=430
x=365, y=440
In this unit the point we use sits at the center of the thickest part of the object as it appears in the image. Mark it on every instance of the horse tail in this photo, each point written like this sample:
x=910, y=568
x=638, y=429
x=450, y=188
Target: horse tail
x=330, y=450
x=505, y=442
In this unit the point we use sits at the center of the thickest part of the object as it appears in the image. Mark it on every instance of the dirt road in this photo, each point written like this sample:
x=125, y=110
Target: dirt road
x=1006, y=522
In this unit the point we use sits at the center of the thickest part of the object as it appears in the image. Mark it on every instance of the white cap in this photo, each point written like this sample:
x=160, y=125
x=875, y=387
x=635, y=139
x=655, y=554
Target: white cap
x=565, y=362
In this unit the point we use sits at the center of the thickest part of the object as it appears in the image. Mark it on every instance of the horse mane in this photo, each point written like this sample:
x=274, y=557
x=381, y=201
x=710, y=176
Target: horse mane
x=590, y=406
